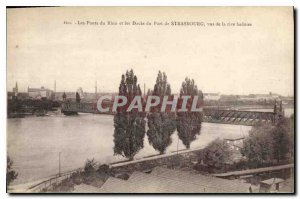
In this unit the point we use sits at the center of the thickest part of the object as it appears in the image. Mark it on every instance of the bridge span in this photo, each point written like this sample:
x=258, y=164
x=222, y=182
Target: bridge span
x=210, y=115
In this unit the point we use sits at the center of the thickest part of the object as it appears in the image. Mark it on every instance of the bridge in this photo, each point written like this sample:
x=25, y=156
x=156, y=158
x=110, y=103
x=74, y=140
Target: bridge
x=238, y=117
x=210, y=115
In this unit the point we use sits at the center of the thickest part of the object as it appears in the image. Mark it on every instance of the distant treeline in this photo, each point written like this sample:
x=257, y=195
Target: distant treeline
x=30, y=106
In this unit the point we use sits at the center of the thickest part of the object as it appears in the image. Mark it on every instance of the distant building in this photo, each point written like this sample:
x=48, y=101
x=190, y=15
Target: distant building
x=39, y=93
x=260, y=97
x=80, y=92
x=251, y=98
x=15, y=90
x=270, y=96
x=270, y=185
x=212, y=96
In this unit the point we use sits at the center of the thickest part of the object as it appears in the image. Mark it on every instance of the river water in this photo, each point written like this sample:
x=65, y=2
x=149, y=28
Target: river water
x=34, y=143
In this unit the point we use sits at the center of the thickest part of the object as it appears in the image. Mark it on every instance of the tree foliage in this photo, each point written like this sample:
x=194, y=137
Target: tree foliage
x=217, y=153
x=11, y=174
x=258, y=146
x=90, y=166
x=129, y=126
x=188, y=122
x=267, y=143
x=282, y=139
x=161, y=124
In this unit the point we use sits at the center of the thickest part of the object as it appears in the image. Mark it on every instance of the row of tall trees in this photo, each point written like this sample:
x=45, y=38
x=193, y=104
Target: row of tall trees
x=130, y=127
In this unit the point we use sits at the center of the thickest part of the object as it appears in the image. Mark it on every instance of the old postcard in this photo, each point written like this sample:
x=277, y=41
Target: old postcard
x=150, y=100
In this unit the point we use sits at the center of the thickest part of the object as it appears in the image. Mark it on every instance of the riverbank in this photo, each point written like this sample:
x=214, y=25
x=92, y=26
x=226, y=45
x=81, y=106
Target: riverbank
x=116, y=169
x=94, y=175
x=34, y=143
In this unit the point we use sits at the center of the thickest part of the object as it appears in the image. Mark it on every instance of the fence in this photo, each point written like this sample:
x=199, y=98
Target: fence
x=52, y=180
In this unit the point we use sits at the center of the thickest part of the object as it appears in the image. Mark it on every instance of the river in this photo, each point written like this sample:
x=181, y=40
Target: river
x=34, y=143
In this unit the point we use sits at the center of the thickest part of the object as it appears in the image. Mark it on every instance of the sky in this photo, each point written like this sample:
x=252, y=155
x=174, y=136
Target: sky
x=41, y=48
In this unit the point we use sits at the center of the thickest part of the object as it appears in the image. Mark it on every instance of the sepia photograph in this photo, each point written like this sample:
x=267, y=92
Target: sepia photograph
x=121, y=100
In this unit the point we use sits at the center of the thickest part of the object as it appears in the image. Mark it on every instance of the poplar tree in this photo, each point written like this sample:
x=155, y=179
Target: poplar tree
x=129, y=126
x=161, y=124
x=77, y=97
x=188, y=122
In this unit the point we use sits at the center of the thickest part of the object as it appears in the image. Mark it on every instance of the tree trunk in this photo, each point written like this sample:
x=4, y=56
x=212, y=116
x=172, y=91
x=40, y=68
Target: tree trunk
x=188, y=146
